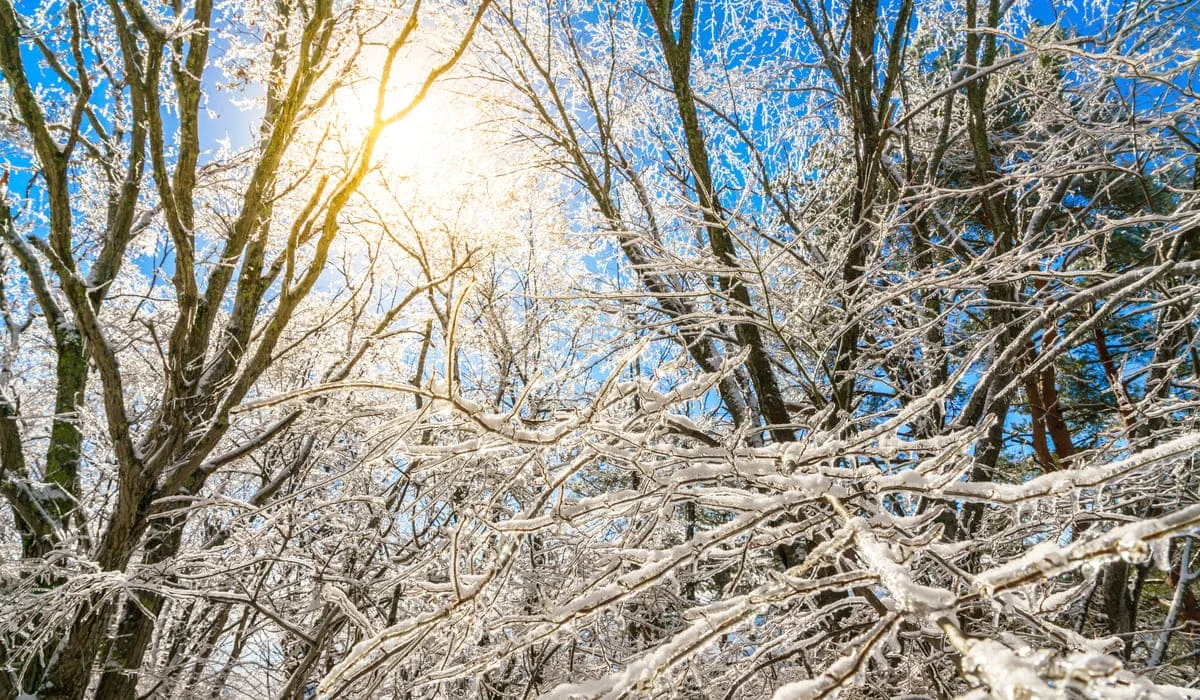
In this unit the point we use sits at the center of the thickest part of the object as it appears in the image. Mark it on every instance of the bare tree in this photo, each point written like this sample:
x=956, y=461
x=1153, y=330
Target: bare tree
x=110, y=98
x=784, y=348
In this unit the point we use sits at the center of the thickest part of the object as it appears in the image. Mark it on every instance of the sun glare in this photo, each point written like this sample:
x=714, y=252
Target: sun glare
x=440, y=168
x=433, y=134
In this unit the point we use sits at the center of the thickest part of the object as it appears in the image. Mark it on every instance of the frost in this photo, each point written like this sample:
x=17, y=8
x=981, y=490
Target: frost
x=598, y=349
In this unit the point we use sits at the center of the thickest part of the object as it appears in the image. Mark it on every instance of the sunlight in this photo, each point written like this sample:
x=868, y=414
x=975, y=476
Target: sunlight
x=429, y=135
x=443, y=179
x=672, y=349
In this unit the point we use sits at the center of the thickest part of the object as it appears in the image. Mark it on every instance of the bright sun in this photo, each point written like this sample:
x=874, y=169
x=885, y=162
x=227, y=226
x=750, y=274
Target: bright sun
x=436, y=133
x=440, y=168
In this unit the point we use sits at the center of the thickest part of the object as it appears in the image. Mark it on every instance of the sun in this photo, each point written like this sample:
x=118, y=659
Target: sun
x=437, y=132
x=422, y=138
x=445, y=170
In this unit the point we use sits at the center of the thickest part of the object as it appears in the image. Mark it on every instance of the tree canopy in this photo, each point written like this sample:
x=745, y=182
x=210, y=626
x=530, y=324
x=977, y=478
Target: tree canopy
x=599, y=349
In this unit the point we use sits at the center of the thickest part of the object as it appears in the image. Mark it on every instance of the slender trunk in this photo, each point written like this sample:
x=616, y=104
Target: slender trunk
x=1118, y=603
x=1060, y=433
x=677, y=54
x=1037, y=415
x=62, y=458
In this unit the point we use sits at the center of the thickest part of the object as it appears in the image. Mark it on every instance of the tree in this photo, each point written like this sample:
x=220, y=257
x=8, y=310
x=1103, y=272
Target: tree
x=749, y=348
x=110, y=98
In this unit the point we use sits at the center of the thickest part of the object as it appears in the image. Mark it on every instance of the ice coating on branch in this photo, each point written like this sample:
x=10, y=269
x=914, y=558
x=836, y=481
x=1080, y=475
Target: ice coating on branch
x=1052, y=484
x=1030, y=673
x=1131, y=541
x=599, y=349
x=911, y=597
x=834, y=677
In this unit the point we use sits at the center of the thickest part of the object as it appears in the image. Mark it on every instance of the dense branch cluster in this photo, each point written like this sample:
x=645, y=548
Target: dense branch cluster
x=771, y=348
